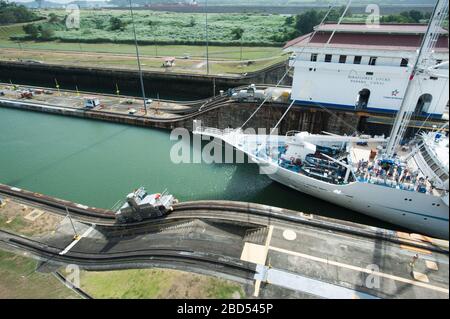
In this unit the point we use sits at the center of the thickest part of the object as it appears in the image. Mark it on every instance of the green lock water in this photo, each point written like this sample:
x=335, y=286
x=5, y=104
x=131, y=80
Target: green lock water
x=98, y=163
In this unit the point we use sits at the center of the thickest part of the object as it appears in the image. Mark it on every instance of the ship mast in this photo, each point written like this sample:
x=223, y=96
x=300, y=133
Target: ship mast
x=422, y=63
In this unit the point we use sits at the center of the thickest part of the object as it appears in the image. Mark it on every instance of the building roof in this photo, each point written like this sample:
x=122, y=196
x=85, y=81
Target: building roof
x=359, y=36
x=390, y=28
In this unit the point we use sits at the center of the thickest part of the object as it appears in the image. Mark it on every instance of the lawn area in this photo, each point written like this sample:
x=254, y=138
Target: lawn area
x=19, y=280
x=157, y=284
x=223, y=59
x=198, y=51
x=95, y=59
x=13, y=218
x=170, y=27
x=160, y=26
x=7, y=31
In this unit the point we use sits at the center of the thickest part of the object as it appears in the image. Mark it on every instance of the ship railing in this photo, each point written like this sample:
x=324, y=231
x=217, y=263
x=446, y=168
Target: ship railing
x=292, y=133
x=117, y=205
x=388, y=182
x=216, y=131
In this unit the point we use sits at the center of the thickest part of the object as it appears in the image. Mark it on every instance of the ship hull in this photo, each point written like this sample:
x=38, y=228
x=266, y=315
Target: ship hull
x=422, y=213
x=419, y=212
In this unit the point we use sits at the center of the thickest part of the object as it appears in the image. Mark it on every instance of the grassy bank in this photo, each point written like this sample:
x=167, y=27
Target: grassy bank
x=217, y=53
x=113, y=55
x=157, y=284
x=115, y=26
x=148, y=63
x=19, y=280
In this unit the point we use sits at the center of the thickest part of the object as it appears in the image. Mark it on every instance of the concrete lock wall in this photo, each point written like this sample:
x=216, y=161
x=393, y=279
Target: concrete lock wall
x=298, y=119
x=231, y=115
x=165, y=84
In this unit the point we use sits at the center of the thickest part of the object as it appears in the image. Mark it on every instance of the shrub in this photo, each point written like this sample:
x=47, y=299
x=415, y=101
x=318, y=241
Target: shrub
x=31, y=30
x=13, y=13
x=237, y=33
x=47, y=33
x=117, y=24
x=53, y=18
x=192, y=22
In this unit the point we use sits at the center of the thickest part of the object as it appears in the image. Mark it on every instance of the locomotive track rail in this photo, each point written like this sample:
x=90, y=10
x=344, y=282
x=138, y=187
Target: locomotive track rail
x=228, y=239
x=226, y=211
x=195, y=108
x=166, y=256
x=101, y=114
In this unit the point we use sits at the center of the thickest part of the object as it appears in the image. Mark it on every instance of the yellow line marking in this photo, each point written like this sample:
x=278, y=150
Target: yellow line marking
x=269, y=237
x=415, y=249
x=356, y=268
x=266, y=252
x=431, y=265
x=254, y=253
x=257, y=287
x=420, y=277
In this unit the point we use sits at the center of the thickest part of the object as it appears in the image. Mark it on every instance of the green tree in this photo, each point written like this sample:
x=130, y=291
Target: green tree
x=53, y=18
x=31, y=30
x=192, y=22
x=99, y=23
x=412, y=16
x=336, y=14
x=14, y=13
x=7, y=17
x=305, y=22
x=47, y=33
x=415, y=15
x=117, y=24
x=427, y=16
x=404, y=16
x=289, y=20
x=238, y=34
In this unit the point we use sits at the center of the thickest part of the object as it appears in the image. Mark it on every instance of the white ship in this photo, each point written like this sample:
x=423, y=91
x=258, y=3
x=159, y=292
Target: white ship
x=410, y=189
x=407, y=185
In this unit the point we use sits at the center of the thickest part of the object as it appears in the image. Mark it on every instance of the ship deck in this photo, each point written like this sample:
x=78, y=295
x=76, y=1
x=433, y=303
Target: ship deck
x=369, y=172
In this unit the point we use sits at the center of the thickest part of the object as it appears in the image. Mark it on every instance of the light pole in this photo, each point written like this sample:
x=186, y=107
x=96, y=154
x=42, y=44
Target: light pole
x=207, y=36
x=138, y=58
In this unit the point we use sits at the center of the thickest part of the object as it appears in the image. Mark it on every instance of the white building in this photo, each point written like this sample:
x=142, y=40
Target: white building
x=367, y=68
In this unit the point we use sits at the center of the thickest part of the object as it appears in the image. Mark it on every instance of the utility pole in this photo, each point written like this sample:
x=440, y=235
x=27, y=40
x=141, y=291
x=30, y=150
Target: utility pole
x=138, y=59
x=207, y=36
x=76, y=236
x=241, y=47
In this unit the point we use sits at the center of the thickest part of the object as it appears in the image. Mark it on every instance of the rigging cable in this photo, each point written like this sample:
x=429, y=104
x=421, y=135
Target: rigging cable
x=339, y=22
x=293, y=101
x=290, y=67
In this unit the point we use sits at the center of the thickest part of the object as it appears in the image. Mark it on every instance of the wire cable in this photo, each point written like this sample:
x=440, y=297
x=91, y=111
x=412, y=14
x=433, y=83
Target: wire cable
x=289, y=69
